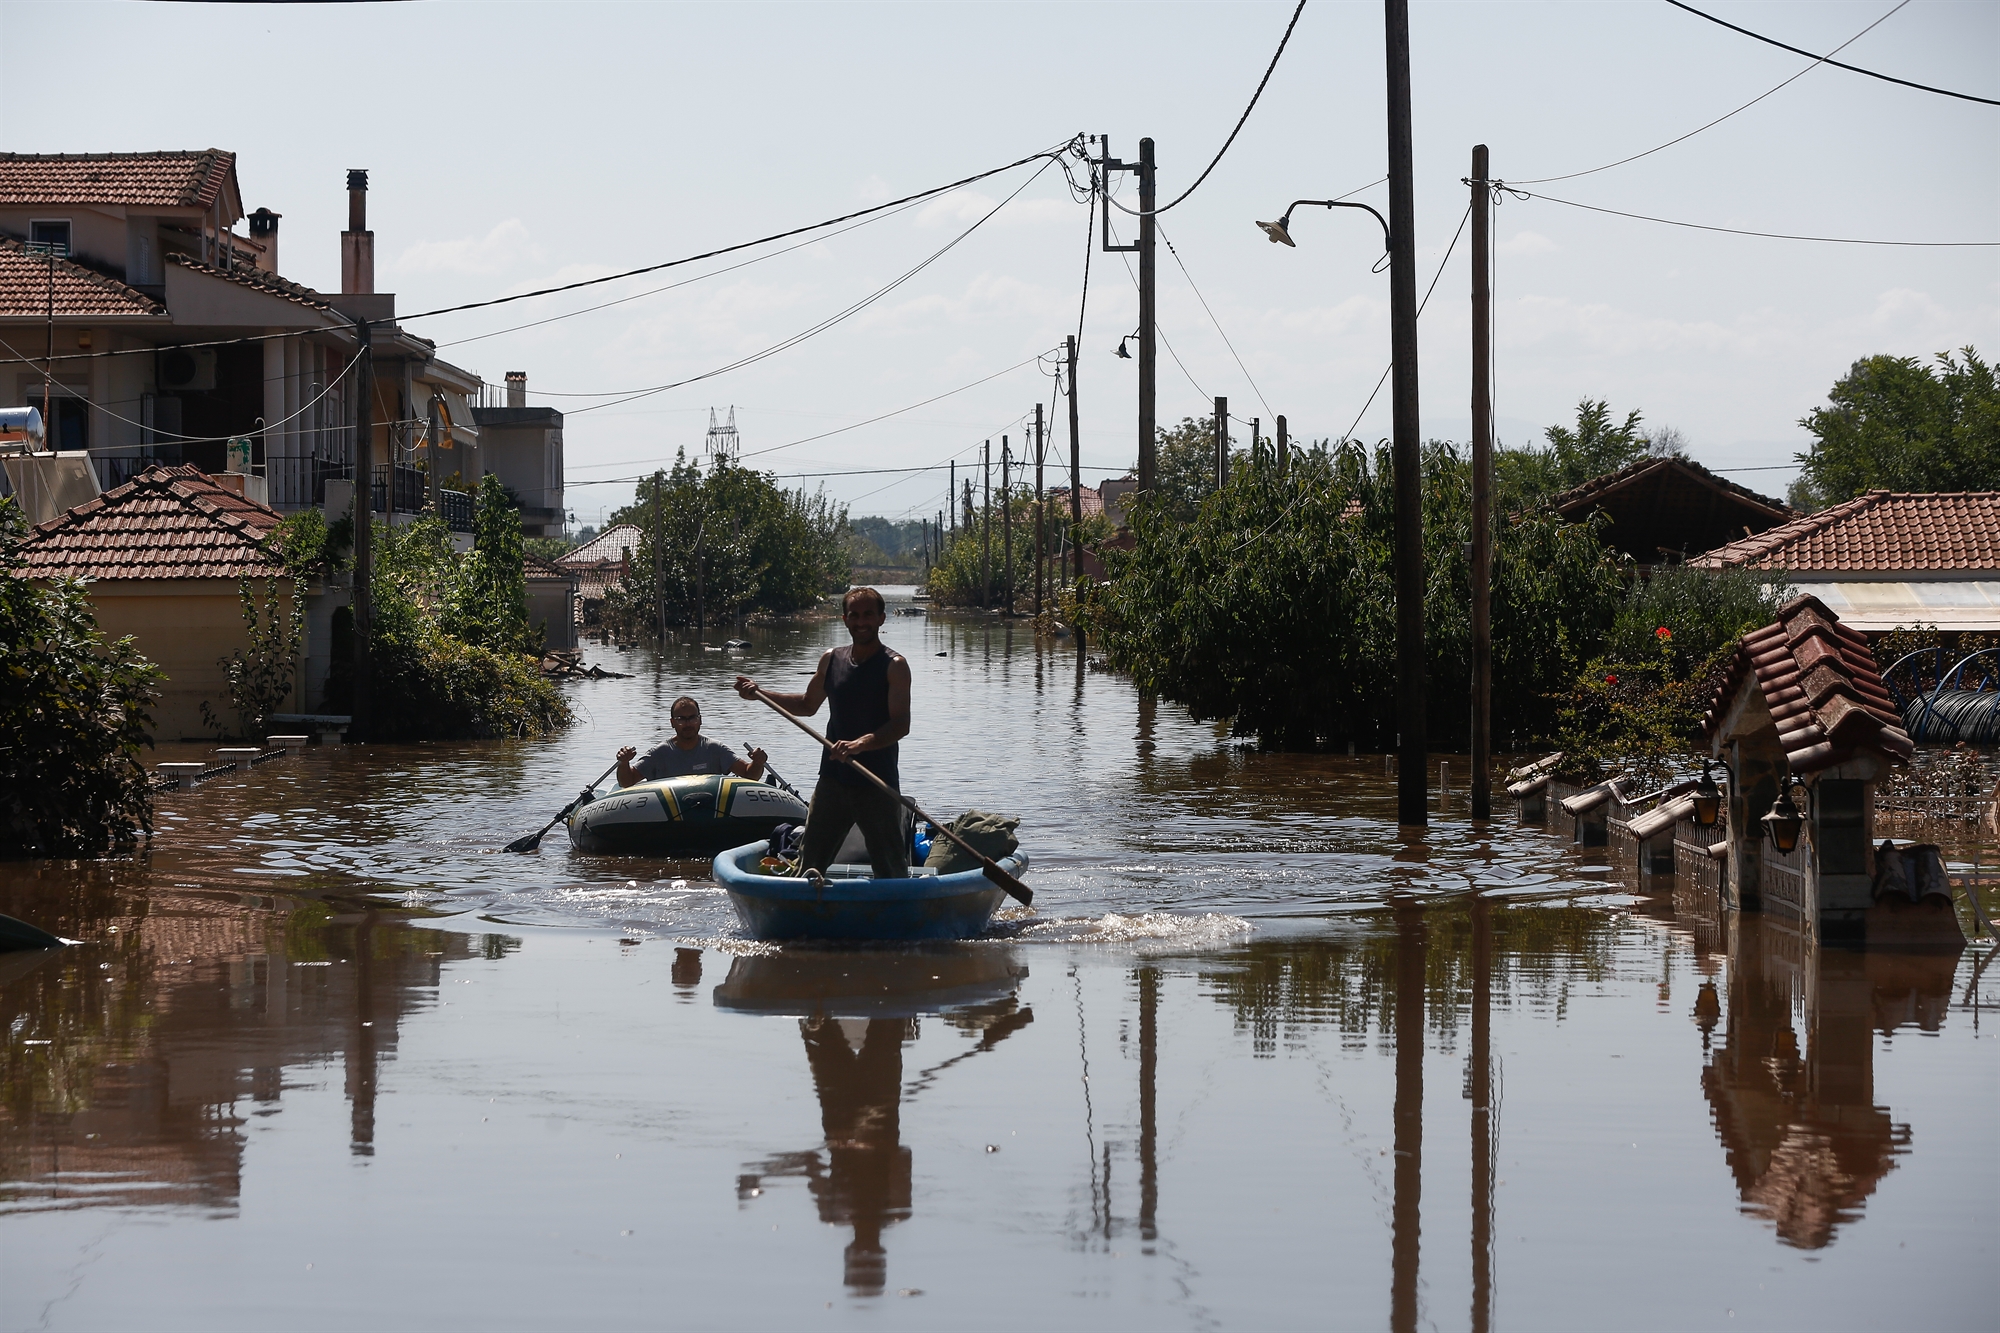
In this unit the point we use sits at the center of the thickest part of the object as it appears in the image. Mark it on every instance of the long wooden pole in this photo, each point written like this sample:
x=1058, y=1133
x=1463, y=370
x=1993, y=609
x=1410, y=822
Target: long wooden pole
x=1412, y=805
x=1007, y=521
x=1075, y=474
x=364, y=527
x=1041, y=528
x=1482, y=490
x=994, y=871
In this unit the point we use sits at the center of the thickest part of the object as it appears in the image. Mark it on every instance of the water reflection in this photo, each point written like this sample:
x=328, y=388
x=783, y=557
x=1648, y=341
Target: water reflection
x=133, y=1065
x=1798, y=1120
x=856, y=1012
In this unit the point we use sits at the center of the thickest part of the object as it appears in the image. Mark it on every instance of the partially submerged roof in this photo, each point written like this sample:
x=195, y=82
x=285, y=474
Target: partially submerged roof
x=1820, y=684
x=1666, y=506
x=165, y=523
x=1882, y=532
x=608, y=546
x=30, y=283
x=192, y=178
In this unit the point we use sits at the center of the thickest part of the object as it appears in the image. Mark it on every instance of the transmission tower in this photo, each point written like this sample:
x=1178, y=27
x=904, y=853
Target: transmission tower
x=722, y=443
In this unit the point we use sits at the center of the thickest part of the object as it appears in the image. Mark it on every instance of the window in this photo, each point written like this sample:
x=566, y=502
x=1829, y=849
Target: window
x=53, y=233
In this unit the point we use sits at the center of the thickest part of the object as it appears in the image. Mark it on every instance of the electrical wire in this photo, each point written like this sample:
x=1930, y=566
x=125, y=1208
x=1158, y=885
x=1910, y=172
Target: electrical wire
x=1739, y=231
x=837, y=317
x=1287, y=512
x=1828, y=60
x=1157, y=331
x=1240, y=121
x=1817, y=62
x=1213, y=320
x=1046, y=155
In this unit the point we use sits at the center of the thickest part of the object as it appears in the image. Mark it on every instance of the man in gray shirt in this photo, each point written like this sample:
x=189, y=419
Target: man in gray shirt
x=689, y=752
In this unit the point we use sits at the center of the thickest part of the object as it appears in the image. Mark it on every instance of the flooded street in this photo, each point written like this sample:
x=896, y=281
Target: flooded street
x=327, y=1059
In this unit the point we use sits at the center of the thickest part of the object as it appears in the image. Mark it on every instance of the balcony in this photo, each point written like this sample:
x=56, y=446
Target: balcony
x=408, y=488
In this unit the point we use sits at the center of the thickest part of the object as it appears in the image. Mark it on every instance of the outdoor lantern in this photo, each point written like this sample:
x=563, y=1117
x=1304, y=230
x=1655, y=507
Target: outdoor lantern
x=1783, y=822
x=1121, y=350
x=1279, y=233
x=1707, y=799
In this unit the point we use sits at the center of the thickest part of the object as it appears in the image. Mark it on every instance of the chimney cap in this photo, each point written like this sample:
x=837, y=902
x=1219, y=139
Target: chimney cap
x=357, y=178
x=264, y=220
x=520, y=375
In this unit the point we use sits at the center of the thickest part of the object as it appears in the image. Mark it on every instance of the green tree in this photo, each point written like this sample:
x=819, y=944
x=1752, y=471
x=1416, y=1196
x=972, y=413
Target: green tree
x=1274, y=605
x=75, y=711
x=488, y=598
x=1894, y=423
x=1598, y=444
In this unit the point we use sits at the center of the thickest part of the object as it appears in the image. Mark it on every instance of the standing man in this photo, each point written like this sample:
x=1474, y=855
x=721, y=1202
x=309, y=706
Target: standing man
x=867, y=685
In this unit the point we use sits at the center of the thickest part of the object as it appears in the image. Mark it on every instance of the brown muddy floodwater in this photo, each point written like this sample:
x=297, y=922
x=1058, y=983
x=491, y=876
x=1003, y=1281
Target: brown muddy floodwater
x=324, y=1059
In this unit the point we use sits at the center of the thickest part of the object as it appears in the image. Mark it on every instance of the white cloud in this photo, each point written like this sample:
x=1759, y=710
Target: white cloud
x=507, y=245
x=1528, y=243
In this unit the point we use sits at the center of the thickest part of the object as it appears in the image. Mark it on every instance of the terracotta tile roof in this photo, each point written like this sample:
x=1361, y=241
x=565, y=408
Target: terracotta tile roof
x=190, y=179
x=1597, y=487
x=1091, y=503
x=606, y=547
x=1819, y=680
x=165, y=523
x=1669, y=507
x=1881, y=531
x=256, y=278
x=535, y=567
x=24, y=288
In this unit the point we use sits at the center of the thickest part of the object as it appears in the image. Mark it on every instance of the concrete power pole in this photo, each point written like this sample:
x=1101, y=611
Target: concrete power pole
x=364, y=525
x=1406, y=448
x=1007, y=523
x=1075, y=474
x=1284, y=443
x=1148, y=379
x=1482, y=490
x=1041, y=528
x=986, y=527
x=1221, y=443
x=660, y=555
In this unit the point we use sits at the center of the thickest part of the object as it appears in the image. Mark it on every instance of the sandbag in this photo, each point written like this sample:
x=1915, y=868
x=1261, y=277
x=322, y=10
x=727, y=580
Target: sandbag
x=992, y=834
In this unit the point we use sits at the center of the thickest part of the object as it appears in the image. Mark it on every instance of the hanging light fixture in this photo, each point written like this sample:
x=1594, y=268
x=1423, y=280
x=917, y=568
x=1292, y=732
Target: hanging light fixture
x=1783, y=821
x=1279, y=232
x=1707, y=799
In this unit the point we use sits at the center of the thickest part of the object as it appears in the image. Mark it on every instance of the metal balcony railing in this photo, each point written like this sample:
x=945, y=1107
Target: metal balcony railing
x=300, y=483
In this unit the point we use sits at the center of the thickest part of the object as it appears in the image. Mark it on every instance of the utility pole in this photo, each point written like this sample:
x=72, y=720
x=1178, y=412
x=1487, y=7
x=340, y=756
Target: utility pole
x=966, y=522
x=1041, y=529
x=1406, y=448
x=1145, y=246
x=434, y=463
x=1284, y=443
x=951, y=495
x=364, y=525
x=1256, y=440
x=986, y=527
x=1007, y=523
x=1075, y=474
x=1482, y=490
x=660, y=554
x=1221, y=443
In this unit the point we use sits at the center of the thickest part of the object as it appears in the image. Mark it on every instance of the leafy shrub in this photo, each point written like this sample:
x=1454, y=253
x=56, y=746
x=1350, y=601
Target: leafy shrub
x=74, y=712
x=260, y=678
x=1275, y=605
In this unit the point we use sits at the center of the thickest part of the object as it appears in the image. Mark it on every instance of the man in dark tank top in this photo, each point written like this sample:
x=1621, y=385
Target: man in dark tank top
x=867, y=685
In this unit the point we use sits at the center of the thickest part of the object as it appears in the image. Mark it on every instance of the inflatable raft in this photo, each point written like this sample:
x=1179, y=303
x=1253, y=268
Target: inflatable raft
x=697, y=815
x=849, y=904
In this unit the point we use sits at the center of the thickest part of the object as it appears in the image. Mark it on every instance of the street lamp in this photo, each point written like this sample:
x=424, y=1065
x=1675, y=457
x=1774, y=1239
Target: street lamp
x=1280, y=232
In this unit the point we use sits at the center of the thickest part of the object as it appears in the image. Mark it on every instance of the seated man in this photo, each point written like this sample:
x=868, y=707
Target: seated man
x=688, y=752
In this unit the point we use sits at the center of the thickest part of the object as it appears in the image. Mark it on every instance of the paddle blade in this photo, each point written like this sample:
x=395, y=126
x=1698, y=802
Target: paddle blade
x=1016, y=890
x=527, y=844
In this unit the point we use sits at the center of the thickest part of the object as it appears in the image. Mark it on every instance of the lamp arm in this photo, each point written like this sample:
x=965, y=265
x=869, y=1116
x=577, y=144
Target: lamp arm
x=1286, y=221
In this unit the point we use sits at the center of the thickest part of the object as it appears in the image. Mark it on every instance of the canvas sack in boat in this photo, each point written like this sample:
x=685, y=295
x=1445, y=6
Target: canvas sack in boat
x=991, y=834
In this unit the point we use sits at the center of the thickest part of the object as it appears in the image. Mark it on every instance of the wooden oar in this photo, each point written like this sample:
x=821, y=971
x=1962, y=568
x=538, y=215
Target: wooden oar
x=1016, y=890
x=534, y=840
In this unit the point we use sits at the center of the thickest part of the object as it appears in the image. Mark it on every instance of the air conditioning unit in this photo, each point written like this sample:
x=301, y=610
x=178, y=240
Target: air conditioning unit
x=185, y=369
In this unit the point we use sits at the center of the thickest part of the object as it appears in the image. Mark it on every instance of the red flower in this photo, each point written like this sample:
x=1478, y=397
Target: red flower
x=1611, y=680
x=1663, y=633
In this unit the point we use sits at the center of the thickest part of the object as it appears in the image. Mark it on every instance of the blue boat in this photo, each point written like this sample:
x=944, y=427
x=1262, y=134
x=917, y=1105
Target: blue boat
x=853, y=905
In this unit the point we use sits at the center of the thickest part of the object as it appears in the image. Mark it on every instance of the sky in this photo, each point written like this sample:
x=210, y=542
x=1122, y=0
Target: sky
x=515, y=146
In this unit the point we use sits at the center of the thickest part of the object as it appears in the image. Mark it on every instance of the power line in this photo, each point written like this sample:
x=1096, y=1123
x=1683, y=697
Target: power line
x=837, y=317
x=1739, y=231
x=1213, y=320
x=1242, y=119
x=1817, y=62
x=1048, y=154
x=1852, y=69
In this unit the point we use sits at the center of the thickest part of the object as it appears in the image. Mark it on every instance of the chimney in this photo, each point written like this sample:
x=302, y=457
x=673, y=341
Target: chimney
x=357, y=243
x=517, y=388
x=264, y=230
